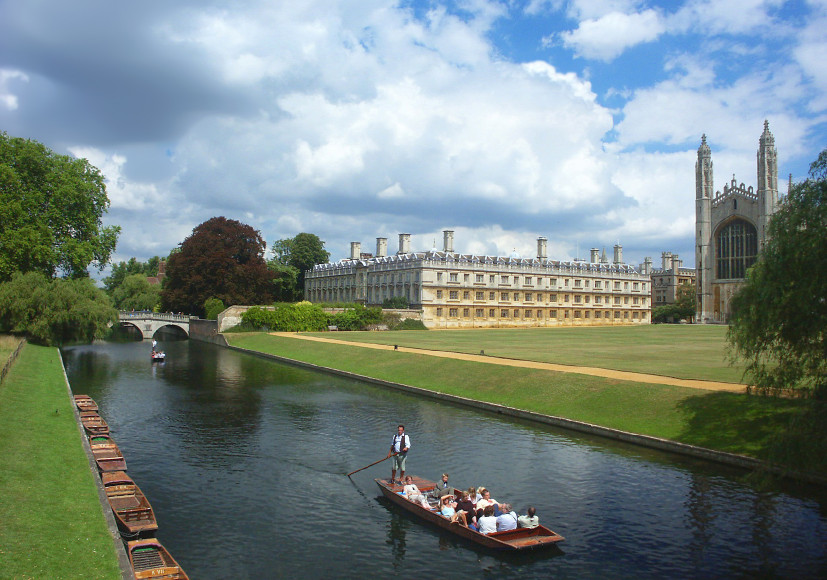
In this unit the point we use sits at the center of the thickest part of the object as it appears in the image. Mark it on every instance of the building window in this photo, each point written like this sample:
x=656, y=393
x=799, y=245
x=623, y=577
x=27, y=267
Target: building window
x=479, y=313
x=636, y=286
x=453, y=295
x=577, y=298
x=552, y=297
x=588, y=299
x=439, y=294
x=634, y=315
x=492, y=313
x=597, y=314
x=516, y=296
x=439, y=276
x=453, y=312
x=466, y=312
x=607, y=315
x=617, y=285
x=452, y=277
x=466, y=295
x=588, y=282
x=597, y=285
x=625, y=300
x=625, y=315
x=566, y=282
x=617, y=300
x=565, y=313
x=466, y=277
x=439, y=311
x=625, y=285
x=736, y=249
x=578, y=283
x=491, y=279
x=503, y=313
x=587, y=313
x=527, y=314
x=528, y=297
x=480, y=295
x=504, y=296
x=617, y=314
x=577, y=314
x=528, y=280
x=503, y=279
x=636, y=300
x=479, y=278
x=539, y=314
x=552, y=314
x=516, y=313
x=492, y=295
x=565, y=297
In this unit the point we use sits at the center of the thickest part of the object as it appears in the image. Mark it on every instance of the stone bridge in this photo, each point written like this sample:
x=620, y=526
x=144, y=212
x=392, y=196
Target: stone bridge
x=151, y=322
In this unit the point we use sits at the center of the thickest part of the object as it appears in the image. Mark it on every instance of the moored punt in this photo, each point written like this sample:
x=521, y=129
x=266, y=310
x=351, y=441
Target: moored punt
x=519, y=539
x=106, y=453
x=149, y=559
x=94, y=423
x=130, y=506
x=85, y=403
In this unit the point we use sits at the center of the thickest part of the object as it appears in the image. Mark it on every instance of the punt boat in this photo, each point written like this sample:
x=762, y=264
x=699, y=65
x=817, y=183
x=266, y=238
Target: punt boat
x=93, y=423
x=106, y=453
x=85, y=403
x=511, y=540
x=149, y=559
x=129, y=504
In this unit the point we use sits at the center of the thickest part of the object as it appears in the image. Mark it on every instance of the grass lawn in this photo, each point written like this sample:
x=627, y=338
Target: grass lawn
x=674, y=350
x=51, y=520
x=723, y=421
x=7, y=346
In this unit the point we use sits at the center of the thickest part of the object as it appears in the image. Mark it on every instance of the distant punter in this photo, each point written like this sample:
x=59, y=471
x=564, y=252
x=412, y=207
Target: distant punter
x=400, y=445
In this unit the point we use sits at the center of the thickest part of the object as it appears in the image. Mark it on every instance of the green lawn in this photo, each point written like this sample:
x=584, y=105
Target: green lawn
x=7, y=346
x=51, y=521
x=673, y=350
x=723, y=421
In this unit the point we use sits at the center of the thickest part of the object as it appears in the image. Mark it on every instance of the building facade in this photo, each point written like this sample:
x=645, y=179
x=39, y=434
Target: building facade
x=730, y=227
x=668, y=278
x=456, y=290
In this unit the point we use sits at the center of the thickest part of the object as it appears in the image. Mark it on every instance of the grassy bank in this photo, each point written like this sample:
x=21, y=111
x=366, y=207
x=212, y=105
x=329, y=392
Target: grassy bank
x=673, y=350
x=7, y=346
x=723, y=421
x=51, y=521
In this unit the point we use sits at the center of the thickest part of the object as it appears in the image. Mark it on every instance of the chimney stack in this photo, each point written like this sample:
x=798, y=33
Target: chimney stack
x=594, y=255
x=381, y=247
x=355, y=250
x=618, y=254
x=647, y=266
x=404, y=244
x=542, y=248
x=448, y=241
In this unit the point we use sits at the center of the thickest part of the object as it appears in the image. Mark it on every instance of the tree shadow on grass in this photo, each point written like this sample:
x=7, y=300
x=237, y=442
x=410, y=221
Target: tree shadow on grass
x=744, y=424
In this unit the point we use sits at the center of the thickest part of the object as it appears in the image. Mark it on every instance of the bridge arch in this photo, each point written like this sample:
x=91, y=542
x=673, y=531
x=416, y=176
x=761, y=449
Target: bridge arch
x=151, y=323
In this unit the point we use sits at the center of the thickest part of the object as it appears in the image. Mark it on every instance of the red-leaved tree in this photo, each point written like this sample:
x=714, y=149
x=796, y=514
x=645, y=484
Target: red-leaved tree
x=222, y=259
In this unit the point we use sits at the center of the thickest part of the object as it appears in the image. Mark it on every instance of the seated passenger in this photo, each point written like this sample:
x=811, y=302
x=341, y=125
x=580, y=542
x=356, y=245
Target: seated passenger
x=442, y=487
x=466, y=506
x=529, y=521
x=487, y=523
x=413, y=494
x=507, y=519
x=485, y=501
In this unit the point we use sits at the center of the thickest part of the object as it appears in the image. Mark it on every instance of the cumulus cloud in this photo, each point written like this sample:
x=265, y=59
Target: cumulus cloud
x=606, y=37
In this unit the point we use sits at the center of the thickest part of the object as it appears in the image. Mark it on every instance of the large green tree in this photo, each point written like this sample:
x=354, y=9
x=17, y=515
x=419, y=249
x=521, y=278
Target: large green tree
x=779, y=315
x=222, y=259
x=292, y=257
x=54, y=311
x=121, y=270
x=136, y=293
x=51, y=208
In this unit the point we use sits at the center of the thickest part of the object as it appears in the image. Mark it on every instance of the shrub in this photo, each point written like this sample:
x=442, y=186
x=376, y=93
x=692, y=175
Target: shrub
x=213, y=307
x=397, y=302
x=299, y=317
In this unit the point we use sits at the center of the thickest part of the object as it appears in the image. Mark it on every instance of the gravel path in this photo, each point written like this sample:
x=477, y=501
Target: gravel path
x=593, y=371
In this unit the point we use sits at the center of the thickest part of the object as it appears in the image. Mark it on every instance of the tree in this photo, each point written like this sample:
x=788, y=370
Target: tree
x=50, y=212
x=686, y=302
x=136, y=293
x=123, y=269
x=212, y=308
x=779, y=315
x=222, y=259
x=301, y=253
x=54, y=312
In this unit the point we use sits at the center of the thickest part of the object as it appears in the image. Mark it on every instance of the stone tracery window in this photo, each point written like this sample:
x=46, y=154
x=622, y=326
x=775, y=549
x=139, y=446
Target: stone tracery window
x=736, y=249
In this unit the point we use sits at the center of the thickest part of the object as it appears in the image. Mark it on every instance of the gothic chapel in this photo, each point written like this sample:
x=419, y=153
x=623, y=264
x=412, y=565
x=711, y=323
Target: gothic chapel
x=730, y=227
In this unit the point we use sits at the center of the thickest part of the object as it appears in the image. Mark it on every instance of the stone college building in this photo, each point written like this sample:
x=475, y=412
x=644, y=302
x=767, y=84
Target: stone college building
x=456, y=290
x=730, y=227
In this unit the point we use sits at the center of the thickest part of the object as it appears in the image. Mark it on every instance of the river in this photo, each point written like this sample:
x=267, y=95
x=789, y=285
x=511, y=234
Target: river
x=243, y=460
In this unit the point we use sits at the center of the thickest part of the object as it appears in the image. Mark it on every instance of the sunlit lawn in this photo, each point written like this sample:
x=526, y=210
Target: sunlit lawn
x=675, y=350
x=51, y=521
x=724, y=421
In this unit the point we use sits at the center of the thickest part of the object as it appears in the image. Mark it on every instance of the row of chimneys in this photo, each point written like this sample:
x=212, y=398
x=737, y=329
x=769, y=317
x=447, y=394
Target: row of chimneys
x=668, y=260
x=448, y=246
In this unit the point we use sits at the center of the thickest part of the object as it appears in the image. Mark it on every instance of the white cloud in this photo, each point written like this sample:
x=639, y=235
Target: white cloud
x=606, y=37
x=7, y=98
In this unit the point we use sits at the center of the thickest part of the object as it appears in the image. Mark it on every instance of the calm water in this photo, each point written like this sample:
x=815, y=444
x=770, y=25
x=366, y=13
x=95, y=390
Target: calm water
x=244, y=462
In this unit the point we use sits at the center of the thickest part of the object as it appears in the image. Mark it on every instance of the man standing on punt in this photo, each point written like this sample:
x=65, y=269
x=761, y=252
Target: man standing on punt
x=400, y=445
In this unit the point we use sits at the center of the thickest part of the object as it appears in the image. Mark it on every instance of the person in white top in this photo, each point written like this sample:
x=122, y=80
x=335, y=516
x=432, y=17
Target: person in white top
x=529, y=521
x=413, y=494
x=399, y=446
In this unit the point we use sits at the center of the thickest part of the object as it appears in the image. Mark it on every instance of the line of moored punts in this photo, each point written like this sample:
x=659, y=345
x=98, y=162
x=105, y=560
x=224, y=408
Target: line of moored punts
x=136, y=520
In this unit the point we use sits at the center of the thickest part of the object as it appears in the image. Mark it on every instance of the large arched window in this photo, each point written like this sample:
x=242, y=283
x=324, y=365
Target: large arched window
x=737, y=248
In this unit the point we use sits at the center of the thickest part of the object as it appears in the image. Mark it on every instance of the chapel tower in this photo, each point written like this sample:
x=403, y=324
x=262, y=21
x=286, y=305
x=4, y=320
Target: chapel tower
x=703, y=205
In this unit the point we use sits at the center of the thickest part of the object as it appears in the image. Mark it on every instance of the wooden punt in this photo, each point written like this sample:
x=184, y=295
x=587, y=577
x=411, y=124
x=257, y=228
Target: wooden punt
x=94, y=423
x=512, y=540
x=106, y=453
x=130, y=506
x=85, y=403
x=149, y=559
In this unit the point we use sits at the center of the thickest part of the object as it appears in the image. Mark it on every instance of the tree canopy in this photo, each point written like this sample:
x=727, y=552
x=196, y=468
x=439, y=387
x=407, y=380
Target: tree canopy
x=136, y=293
x=51, y=207
x=779, y=315
x=292, y=256
x=123, y=269
x=221, y=259
x=54, y=312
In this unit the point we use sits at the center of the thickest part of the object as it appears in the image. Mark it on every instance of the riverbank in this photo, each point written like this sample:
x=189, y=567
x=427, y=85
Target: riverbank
x=716, y=420
x=51, y=521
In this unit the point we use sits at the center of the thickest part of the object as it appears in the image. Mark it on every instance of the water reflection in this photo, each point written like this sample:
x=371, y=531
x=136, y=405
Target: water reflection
x=244, y=462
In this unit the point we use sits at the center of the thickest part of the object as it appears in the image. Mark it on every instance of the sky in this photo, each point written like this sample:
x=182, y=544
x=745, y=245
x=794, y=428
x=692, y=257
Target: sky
x=502, y=120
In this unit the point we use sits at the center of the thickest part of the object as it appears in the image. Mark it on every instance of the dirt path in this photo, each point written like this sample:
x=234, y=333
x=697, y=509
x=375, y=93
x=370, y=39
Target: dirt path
x=593, y=371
